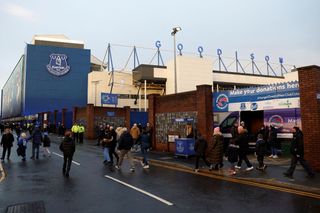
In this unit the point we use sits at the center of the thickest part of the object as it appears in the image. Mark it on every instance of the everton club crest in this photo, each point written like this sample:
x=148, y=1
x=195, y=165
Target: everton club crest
x=58, y=64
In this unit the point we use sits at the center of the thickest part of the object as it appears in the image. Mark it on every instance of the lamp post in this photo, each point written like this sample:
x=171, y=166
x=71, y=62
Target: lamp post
x=173, y=33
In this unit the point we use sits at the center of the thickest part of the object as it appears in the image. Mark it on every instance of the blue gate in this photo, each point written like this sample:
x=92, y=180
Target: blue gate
x=68, y=119
x=138, y=117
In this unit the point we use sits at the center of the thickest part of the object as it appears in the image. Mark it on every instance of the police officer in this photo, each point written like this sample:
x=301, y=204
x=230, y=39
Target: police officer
x=75, y=132
x=81, y=131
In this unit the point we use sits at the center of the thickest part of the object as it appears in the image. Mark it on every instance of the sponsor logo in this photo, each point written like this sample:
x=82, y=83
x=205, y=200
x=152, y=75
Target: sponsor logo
x=276, y=120
x=287, y=103
x=254, y=106
x=243, y=106
x=222, y=101
x=58, y=65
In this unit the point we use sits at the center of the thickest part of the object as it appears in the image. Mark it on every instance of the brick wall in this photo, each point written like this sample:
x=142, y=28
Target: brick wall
x=198, y=102
x=309, y=78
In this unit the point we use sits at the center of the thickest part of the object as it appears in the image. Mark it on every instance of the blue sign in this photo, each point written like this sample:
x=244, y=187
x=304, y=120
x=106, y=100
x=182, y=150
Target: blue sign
x=111, y=114
x=107, y=98
x=58, y=65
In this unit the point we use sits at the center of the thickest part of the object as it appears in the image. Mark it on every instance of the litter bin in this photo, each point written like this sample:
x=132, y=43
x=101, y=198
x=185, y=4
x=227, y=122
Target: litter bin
x=184, y=147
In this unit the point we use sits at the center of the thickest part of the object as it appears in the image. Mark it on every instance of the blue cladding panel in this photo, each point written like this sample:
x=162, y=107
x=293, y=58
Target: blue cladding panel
x=47, y=92
x=68, y=119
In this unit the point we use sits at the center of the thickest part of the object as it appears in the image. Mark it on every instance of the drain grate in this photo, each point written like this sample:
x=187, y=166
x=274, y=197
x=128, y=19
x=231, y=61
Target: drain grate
x=30, y=207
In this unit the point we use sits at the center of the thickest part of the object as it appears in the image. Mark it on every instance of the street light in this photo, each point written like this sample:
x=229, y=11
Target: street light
x=173, y=33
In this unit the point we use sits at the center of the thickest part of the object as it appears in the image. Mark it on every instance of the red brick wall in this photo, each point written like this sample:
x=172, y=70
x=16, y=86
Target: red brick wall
x=199, y=101
x=182, y=102
x=309, y=78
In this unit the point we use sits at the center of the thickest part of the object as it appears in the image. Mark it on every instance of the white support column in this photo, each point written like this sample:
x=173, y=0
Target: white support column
x=145, y=95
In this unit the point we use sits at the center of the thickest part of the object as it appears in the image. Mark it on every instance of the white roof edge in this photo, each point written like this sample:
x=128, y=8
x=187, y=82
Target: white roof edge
x=43, y=38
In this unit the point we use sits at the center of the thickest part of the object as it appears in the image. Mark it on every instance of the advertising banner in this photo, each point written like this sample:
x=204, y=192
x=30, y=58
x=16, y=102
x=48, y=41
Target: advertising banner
x=275, y=96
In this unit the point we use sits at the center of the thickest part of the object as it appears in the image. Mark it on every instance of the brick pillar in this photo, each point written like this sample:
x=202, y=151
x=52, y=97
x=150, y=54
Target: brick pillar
x=63, y=116
x=152, y=116
x=127, y=117
x=204, y=109
x=74, y=114
x=309, y=78
x=89, y=133
x=55, y=112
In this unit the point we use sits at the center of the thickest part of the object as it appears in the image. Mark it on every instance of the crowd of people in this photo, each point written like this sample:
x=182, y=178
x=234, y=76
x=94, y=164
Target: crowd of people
x=125, y=141
x=120, y=142
x=237, y=149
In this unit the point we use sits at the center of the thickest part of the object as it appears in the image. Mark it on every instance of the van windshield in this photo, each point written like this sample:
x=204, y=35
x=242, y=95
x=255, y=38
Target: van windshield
x=227, y=123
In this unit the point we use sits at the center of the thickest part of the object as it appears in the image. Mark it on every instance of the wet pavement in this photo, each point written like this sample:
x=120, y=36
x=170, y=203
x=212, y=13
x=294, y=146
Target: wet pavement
x=88, y=190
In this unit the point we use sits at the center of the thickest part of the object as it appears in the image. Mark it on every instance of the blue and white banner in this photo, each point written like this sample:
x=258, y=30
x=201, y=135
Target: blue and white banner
x=107, y=98
x=274, y=96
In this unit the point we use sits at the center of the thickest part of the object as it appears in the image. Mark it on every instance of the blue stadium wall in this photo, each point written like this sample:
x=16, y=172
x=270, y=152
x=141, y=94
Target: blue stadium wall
x=44, y=91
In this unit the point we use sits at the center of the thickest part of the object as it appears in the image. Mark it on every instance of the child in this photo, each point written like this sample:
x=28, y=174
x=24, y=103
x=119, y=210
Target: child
x=260, y=152
x=232, y=154
x=22, y=146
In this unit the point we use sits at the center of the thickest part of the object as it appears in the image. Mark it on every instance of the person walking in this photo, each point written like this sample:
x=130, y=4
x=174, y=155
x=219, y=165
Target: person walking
x=145, y=146
x=125, y=145
x=242, y=142
x=36, y=142
x=135, y=133
x=46, y=144
x=6, y=142
x=200, y=150
x=297, y=154
x=260, y=152
x=233, y=156
x=106, y=145
x=22, y=146
x=273, y=142
x=113, y=145
x=68, y=147
x=215, y=150
x=100, y=134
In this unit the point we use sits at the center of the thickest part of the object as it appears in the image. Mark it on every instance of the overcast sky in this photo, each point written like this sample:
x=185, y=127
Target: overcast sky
x=286, y=28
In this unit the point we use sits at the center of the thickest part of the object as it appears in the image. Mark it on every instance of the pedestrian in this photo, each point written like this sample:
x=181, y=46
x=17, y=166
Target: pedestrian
x=149, y=131
x=125, y=145
x=260, y=152
x=135, y=133
x=6, y=142
x=81, y=130
x=189, y=130
x=273, y=142
x=68, y=148
x=145, y=146
x=46, y=144
x=200, y=150
x=215, y=150
x=100, y=134
x=112, y=149
x=75, y=132
x=106, y=145
x=242, y=142
x=22, y=146
x=297, y=154
x=36, y=142
x=233, y=156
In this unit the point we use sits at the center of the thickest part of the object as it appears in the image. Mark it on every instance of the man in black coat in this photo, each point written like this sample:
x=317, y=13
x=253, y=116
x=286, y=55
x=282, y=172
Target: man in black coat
x=6, y=141
x=125, y=145
x=113, y=144
x=200, y=148
x=68, y=148
x=297, y=152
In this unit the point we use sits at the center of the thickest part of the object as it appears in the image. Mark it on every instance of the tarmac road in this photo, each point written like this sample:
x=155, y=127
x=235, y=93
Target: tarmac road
x=89, y=190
